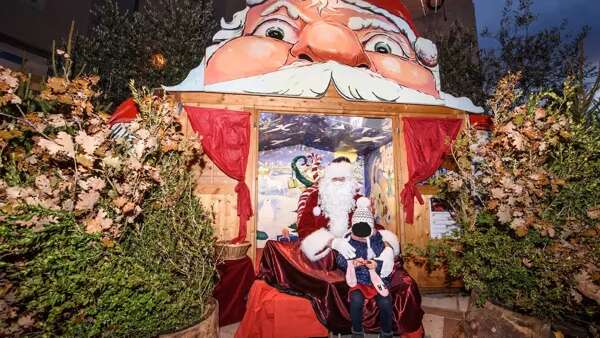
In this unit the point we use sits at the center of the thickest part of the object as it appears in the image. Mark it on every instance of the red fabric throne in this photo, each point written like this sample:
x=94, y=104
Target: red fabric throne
x=284, y=266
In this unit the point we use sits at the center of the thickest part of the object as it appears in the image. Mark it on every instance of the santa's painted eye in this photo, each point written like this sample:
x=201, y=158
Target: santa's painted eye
x=275, y=33
x=277, y=29
x=385, y=45
x=383, y=48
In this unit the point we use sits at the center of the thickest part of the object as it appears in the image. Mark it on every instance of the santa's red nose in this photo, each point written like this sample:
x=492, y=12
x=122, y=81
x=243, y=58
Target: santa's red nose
x=323, y=41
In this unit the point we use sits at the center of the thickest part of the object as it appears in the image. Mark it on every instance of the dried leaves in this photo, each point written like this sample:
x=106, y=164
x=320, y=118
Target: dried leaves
x=77, y=93
x=89, y=143
x=87, y=200
x=527, y=196
x=585, y=283
x=512, y=178
x=63, y=143
x=74, y=166
x=9, y=82
x=98, y=223
x=515, y=172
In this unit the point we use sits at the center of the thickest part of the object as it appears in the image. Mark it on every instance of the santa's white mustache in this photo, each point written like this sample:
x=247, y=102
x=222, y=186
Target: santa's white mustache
x=307, y=79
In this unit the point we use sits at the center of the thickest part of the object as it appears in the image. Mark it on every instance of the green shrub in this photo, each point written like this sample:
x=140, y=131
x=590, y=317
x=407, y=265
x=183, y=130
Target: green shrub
x=530, y=212
x=98, y=236
x=69, y=283
x=177, y=235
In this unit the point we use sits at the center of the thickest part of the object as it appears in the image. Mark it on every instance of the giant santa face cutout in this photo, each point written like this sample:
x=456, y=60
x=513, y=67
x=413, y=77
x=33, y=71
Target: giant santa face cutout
x=367, y=49
x=373, y=35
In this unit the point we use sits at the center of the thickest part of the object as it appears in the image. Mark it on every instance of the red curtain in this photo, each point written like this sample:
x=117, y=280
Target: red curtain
x=226, y=141
x=125, y=112
x=427, y=141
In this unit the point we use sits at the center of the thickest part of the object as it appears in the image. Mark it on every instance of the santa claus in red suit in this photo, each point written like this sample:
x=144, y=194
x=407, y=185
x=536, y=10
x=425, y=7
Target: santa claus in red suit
x=324, y=214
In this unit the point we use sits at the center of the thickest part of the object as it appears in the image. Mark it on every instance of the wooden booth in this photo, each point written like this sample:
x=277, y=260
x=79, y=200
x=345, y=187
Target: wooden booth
x=217, y=191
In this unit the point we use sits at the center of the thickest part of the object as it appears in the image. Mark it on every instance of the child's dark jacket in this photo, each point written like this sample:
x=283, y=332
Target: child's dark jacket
x=362, y=272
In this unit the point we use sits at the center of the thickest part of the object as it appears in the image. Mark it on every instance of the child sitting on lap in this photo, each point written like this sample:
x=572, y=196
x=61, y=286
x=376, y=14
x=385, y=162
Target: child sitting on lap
x=362, y=272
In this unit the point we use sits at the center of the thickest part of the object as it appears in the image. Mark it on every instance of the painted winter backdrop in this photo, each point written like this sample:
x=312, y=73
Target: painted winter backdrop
x=283, y=137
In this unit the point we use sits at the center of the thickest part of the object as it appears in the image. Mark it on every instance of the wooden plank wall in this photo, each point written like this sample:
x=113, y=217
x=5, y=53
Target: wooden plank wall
x=216, y=191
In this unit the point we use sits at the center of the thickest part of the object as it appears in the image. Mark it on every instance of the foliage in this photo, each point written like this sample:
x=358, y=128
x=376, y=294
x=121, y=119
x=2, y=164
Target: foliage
x=516, y=273
x=75, y=245
x=120, y=44
x=460, y=69
x=63, y=281
x=177, y=235
x=528, y=202
x=73, y=164
x=545, y=58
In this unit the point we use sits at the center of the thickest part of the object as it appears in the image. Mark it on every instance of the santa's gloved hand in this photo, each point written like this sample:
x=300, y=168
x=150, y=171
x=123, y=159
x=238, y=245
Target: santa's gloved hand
x=316, y=211
x=343, y=248
x=387, y=259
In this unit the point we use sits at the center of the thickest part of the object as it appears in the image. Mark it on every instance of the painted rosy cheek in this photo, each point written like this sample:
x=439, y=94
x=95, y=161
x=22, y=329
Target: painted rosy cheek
x=244, y=57
x=405, y=72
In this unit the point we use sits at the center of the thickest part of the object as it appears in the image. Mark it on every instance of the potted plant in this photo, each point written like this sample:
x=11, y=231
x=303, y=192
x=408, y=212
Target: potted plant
x=177, y=234
x=527, y=202
x=100, y=235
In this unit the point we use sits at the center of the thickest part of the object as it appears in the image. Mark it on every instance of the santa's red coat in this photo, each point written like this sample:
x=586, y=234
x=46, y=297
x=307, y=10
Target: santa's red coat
x=314, y=232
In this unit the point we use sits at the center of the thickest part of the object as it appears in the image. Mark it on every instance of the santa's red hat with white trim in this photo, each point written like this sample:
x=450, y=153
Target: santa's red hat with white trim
x=396, y=12
x=397, y=8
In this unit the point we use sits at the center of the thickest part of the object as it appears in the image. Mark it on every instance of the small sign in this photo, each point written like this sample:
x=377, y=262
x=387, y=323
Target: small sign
x=441, y=221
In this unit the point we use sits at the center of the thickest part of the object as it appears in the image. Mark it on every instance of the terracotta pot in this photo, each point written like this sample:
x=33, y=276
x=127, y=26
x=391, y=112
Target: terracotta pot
x=207, y=328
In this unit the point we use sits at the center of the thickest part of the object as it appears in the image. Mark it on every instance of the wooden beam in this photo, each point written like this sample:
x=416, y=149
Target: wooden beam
x=325, y=105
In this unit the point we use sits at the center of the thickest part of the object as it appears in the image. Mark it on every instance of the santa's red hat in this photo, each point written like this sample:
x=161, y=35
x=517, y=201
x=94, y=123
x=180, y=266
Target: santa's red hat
x=388, y=8
x=397, y=8
x=393, y=10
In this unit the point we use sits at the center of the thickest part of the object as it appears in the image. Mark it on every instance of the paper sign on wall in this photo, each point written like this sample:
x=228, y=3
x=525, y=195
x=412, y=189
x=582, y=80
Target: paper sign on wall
x=441, y=221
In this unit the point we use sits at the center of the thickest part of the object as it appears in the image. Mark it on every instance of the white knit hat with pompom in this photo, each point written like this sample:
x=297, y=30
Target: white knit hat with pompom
x=362, y=213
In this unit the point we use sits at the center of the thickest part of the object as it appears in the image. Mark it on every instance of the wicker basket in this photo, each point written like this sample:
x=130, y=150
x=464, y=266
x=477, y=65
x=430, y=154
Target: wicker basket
x=228, y=251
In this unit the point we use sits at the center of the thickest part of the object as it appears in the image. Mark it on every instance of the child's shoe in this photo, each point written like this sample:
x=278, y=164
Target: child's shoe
x=358, y=334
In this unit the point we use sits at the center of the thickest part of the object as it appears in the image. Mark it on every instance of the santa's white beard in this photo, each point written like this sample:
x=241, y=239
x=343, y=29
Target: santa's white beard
x=337, y=201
